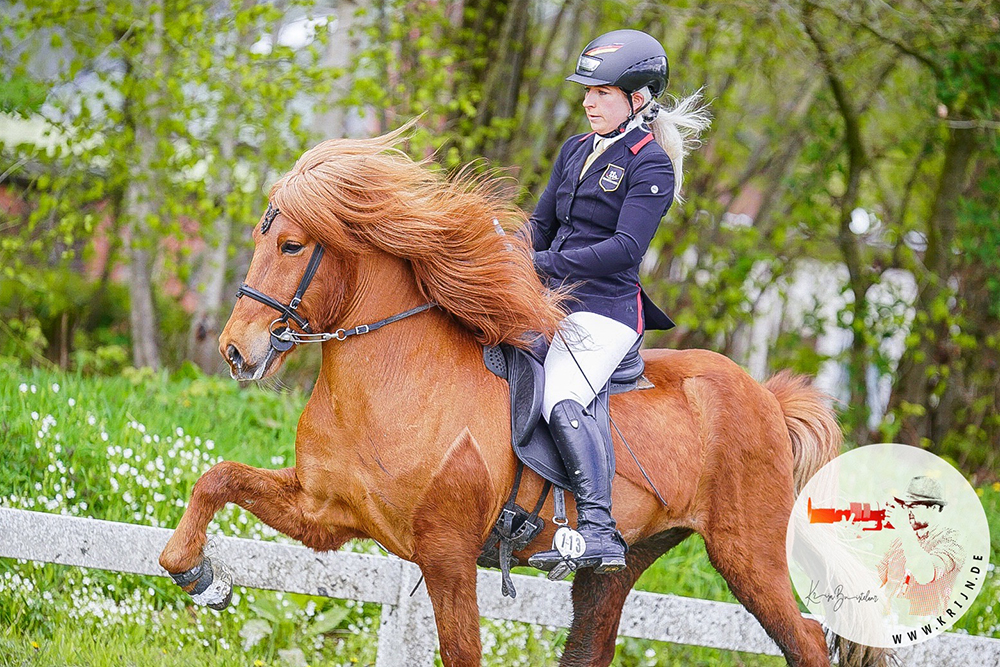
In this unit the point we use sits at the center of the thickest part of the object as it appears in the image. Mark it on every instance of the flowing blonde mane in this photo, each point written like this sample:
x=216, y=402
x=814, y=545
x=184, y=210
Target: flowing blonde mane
x=357, y=194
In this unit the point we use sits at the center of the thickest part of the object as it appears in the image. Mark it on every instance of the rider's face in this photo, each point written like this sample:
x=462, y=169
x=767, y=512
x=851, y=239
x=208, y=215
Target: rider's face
x=606, y=107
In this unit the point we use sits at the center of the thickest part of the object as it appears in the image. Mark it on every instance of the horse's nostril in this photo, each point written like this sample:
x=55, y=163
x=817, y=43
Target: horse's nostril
x=234, y=355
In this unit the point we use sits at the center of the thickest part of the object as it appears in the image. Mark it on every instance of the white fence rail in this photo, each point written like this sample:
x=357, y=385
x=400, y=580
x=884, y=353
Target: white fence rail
x=406, y=635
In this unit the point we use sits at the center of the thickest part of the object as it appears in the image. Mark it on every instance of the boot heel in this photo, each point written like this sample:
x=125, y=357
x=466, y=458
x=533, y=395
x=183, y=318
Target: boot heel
x=610, y=565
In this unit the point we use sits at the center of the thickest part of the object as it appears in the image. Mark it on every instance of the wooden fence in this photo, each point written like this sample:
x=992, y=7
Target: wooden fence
x=406, y=635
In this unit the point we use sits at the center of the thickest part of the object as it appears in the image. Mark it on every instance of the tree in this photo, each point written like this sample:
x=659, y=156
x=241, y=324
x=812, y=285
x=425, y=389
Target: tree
x=139, y=106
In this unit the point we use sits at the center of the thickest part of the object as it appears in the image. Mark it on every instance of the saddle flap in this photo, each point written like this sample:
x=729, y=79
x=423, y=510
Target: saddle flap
x=526, y=378
x=530, y=437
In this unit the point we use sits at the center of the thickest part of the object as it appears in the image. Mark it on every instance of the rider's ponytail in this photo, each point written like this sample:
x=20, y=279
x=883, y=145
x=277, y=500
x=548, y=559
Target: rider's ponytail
x=677, y=129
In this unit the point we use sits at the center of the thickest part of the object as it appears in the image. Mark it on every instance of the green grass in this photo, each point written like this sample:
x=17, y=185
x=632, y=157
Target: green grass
x=130, y=449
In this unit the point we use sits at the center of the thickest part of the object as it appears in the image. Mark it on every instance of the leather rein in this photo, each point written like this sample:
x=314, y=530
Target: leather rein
x=282, y=336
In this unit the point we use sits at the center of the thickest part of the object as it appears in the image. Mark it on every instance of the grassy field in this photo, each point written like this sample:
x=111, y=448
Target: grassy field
x=130, y=449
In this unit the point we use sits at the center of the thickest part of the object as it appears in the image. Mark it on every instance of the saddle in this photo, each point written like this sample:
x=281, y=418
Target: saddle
x=533, y=444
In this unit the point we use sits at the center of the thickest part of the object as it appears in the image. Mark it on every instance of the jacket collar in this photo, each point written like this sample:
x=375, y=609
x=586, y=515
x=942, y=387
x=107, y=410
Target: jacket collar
x=618, y=152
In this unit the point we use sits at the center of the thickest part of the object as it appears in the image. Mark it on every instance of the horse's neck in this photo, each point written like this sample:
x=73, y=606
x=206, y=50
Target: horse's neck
x=384, y=285
x=390, y=406
x=378, y=374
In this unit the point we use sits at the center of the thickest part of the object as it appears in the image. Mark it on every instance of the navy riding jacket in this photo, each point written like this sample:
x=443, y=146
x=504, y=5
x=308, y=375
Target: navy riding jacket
x=594, y=230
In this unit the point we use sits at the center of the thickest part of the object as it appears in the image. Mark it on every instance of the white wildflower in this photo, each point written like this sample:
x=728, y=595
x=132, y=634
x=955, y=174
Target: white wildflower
x=253, y=631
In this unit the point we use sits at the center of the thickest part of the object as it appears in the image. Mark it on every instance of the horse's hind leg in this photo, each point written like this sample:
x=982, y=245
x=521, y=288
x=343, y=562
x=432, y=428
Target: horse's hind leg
x=753, y=563
x=598, y=600
x=274, y=496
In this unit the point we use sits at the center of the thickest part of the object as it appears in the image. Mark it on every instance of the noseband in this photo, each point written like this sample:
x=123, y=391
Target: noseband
x=282, y=337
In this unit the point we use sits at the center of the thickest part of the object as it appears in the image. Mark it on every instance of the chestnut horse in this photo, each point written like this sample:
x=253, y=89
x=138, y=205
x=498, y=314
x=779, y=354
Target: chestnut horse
x=406, y=436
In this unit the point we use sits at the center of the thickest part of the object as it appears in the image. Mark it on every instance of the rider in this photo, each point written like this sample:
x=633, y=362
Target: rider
x=593, y=223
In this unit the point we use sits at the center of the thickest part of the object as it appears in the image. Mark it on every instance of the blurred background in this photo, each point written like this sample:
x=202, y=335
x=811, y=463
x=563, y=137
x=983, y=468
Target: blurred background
x=840, y=218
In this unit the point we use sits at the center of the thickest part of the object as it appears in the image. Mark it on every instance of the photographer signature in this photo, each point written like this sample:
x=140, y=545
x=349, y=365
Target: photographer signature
x=837, y=596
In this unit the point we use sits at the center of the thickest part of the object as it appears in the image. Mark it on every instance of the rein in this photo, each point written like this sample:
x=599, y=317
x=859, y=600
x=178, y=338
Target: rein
x=282, y=337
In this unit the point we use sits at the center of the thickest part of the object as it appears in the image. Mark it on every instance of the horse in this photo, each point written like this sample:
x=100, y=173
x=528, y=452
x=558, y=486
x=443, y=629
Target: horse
x=398, y=270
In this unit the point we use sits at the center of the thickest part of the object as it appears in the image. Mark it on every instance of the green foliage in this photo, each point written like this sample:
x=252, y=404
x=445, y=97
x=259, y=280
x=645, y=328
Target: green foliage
x=150, y=129
x=20, y=95
x=979, y=237
x=50, y=310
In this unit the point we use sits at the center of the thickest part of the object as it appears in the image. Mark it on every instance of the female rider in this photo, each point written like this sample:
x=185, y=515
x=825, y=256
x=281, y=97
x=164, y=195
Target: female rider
x=593, y=223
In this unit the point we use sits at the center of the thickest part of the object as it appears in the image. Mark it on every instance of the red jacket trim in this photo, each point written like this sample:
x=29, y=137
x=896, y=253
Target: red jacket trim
x=638, y=298
x=642, y=142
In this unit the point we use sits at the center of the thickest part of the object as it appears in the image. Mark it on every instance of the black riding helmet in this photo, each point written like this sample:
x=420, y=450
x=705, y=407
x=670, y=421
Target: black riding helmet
x=627, y=59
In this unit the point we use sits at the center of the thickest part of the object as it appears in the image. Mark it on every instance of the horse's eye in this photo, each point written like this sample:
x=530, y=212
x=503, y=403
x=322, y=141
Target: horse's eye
x=291, y=248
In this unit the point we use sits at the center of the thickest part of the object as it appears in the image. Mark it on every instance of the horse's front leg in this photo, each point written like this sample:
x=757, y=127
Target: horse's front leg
x=451, y=586
x=450, y=526
x=274, y=496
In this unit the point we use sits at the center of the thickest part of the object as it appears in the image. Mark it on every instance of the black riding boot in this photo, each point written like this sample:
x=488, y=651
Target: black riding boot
x=581, y=446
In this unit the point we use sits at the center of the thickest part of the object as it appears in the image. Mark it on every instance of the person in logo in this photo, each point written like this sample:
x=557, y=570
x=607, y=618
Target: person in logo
x=923, y=562
x=607, y=193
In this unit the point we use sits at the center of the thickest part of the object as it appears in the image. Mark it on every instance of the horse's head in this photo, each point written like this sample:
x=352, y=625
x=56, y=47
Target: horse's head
x=358, y=229
x=284, y=297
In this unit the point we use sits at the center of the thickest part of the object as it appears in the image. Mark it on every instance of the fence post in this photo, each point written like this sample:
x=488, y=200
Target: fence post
x=407, y=636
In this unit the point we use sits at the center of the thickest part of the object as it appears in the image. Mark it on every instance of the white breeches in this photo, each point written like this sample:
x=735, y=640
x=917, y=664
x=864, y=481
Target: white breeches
x=598, y=343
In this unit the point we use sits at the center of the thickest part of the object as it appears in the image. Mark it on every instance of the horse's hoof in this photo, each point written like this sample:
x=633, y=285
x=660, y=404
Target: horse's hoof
x=208, y=585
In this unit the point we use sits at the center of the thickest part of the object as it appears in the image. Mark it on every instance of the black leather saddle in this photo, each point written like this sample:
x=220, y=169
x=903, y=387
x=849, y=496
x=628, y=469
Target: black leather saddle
x=530, y=435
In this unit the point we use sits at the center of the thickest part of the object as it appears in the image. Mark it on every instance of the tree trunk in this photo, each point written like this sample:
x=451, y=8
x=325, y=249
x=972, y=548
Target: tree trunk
x=142, y=310
x=140, y=199
x=203, y=338
x=341, y=49
x=859, y=279
x=921, y=367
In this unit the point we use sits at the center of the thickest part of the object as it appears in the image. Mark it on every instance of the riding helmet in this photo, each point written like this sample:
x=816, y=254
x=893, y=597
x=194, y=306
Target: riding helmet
x=627, y=59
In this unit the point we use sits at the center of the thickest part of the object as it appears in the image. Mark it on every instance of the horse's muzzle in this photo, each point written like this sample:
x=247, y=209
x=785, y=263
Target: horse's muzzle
x=241, y=369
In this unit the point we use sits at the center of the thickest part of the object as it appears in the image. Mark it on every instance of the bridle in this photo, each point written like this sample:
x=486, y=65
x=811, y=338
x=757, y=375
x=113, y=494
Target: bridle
x=282, y=336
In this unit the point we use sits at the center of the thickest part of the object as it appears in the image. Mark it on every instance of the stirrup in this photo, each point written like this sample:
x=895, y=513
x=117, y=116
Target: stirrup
x=559, y=568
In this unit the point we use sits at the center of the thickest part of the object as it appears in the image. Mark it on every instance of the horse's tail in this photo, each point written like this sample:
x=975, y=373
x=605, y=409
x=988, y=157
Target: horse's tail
x=816, y=436
x=816, y=440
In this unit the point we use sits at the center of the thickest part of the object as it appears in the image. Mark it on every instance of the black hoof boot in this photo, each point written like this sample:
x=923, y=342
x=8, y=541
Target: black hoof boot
x=205, y=587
